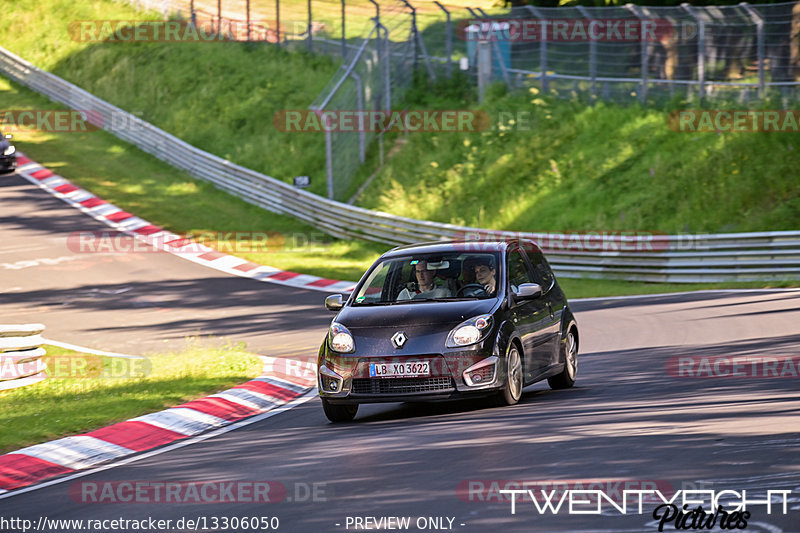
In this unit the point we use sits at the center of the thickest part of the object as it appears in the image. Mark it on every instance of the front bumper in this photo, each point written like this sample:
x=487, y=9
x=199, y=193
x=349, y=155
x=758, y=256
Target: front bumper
x=346, y=379
x=8, y=163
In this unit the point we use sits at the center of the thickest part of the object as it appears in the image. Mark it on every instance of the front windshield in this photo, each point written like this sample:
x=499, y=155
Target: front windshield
x=429, y=277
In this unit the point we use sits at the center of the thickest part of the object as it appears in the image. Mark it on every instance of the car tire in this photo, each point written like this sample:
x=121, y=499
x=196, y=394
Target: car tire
x=339, y=413
x=512, y=390
x=566, y=378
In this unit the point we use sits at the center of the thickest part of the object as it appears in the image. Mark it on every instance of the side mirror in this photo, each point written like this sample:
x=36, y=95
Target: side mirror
x=528, y=291
x=334, y=302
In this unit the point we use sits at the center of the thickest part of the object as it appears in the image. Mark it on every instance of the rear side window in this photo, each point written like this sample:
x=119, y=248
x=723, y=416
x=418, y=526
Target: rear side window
x=541, y=270
x=518, y=272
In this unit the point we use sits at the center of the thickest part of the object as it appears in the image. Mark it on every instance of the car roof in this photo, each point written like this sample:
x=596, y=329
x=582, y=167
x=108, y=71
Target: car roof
x=436, y=247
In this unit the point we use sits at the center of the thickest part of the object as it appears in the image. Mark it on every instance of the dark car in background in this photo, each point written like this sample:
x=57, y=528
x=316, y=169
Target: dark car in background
x=8, y=154
x=446, y=320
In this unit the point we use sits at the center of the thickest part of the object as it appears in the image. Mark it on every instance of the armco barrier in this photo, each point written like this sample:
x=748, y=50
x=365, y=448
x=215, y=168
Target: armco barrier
x=768, y=256
x=20, y=355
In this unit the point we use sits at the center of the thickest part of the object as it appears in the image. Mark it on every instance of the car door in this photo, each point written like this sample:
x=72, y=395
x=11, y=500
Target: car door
x=530, y=317
x=554, y=301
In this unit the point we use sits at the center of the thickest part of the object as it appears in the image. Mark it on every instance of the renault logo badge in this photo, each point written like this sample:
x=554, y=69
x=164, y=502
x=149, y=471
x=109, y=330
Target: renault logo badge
x=399, y=339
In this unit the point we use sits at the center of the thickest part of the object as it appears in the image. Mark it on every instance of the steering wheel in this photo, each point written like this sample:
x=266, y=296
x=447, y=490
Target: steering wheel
x=474, y=288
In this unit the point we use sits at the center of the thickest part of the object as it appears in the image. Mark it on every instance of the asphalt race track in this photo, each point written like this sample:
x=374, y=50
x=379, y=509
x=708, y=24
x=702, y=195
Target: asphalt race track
x=632, y=417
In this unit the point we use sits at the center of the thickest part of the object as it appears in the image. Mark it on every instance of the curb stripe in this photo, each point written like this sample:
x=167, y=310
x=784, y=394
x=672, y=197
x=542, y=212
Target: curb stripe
x=118, y=216
x=182, y=420
x=93, y=202
x=268, y=389
x=42, y=174
x=136, y=436
x=20, y=470
x=247, y=398
x=220, y=407
x=75, y=452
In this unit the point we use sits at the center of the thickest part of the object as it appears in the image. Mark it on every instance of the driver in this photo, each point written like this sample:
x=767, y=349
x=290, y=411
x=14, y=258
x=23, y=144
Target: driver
x=485, y=273
x=426, y=288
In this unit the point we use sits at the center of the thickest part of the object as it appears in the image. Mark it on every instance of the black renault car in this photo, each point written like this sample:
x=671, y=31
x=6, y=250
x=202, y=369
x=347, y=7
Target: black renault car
x=445, y=320
x=8, y=154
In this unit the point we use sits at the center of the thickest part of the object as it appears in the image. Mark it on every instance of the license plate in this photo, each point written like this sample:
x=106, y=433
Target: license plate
x=399, y=370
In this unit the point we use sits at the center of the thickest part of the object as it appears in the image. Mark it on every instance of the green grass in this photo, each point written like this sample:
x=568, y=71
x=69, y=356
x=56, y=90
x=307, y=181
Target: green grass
x=569, y=167
x=86, y=392
x=218, y=96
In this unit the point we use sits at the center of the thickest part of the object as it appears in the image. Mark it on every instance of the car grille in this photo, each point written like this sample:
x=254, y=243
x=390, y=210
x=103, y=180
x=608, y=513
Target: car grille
x=401, y=385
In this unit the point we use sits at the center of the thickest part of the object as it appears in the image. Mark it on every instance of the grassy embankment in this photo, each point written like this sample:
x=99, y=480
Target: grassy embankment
x=85, y=392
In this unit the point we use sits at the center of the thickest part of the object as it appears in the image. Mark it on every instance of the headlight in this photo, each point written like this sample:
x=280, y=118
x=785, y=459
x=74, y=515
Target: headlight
x=470, y=331
x=9, y=150
x=340, y=340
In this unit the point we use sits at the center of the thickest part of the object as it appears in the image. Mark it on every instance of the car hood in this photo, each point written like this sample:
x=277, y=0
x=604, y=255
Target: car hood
x=410, y=315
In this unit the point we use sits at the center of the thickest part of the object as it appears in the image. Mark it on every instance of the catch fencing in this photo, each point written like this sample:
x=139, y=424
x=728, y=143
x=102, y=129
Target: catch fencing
x=20, y=355
x=658, y=258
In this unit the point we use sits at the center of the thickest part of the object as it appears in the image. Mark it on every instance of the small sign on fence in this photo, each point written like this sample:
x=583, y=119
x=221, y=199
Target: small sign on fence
x=302, y=182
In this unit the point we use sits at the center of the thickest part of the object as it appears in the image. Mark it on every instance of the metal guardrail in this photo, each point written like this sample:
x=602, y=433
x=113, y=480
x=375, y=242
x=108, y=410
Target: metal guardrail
x=656, y=258
x=20, y=355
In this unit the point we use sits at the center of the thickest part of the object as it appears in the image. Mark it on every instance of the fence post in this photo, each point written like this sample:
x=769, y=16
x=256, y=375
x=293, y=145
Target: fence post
x=278, y=22
x=542, y=47
x=362, y=149
x=247, y=10
x=759, y=20
x=701, y=49
x=219, y=17
x=192, y=14
x=387, y=67
x=592, y=55
x=448, y=28
x=644, y=51
x=308, y=30
x=484, y=57
x=415, y=42
x=329, y=161
x=344, y=41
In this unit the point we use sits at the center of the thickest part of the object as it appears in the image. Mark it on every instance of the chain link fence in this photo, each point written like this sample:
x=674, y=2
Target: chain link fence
x=619, y=53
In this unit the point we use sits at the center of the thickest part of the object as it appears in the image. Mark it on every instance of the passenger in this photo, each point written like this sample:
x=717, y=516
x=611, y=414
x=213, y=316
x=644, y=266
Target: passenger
x=485, y=274
x=426, y=288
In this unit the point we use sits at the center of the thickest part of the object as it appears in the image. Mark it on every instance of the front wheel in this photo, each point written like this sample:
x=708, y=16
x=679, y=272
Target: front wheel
x=512, y=391
x=339, y=413
x=566, y=378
